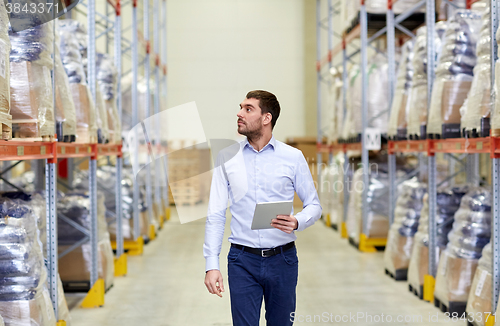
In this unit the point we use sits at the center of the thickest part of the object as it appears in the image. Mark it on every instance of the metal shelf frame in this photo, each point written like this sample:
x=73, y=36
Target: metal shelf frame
x=111, y=24
x=470, y=147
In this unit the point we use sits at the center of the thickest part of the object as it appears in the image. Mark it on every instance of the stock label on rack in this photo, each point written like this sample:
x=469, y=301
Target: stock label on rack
x=63, y=150
x=479, y=145
x=20, y=150
x=43, y=150
x=77, y=150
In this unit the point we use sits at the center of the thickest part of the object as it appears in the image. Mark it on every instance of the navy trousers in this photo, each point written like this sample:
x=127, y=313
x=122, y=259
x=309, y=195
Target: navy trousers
x=252, y=278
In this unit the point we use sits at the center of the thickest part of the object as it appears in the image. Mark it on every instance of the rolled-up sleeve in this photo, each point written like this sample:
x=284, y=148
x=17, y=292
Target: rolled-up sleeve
x=306, y=190
x=216, y=217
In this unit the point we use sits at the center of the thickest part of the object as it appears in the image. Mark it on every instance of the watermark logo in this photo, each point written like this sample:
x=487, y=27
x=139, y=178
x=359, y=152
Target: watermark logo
x=26, y=14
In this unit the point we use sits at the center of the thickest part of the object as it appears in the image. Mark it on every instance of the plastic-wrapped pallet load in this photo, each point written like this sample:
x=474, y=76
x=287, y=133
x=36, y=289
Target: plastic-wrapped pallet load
x=377, y=103
x=71, y=49
x=495, y=121
x=400, y=105
x=102, y=118
x=477, y=108
x=31, y=99
x=75, y=265
x=471, y=232
x=454, y=74
x=107, y=178
x=24, y=298
x=65, y=107
x=406, y=220
x=335, y=109
x=107, y=80
x=378, y=210
x=37, y=203
x=348, y=123
x=337, y=190
x=479, y=301
x=448, y=202
x=5, y=117
x=417, y=114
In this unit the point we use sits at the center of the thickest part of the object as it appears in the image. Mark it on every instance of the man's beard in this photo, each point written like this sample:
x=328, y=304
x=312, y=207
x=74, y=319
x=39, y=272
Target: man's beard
x=253, y=135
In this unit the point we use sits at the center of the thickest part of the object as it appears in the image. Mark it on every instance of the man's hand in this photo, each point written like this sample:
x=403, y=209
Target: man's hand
x=214, y=283
x=285, y=223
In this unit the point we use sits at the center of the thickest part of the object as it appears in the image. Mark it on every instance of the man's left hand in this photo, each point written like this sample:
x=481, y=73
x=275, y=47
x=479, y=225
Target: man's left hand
x=285, y=223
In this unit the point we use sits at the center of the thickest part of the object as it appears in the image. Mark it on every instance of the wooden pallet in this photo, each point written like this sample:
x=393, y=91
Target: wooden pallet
x=19, y=137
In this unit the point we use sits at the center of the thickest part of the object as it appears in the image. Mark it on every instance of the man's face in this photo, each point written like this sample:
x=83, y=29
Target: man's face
x=250, y=118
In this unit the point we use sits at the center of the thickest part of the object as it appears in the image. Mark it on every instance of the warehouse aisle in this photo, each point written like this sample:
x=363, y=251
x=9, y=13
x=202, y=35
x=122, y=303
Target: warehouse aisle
x=165, y=286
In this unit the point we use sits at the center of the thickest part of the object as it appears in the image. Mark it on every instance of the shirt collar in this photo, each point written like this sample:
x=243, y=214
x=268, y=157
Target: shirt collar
x=272, y=143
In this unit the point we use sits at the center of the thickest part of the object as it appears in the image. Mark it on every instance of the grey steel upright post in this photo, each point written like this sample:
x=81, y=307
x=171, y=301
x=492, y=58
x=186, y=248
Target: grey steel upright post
x=147, y=76
x=495, y=223
x=430, y=22
x=50, y=202
x=391, y=73
x=164, y=61
x=119, y=161
x=135, y=115
x=346, y=157
x=156, y=120
x=319, y=155
x=330, y=65
x=364, y=114
x=52, y=252
x=91, y=74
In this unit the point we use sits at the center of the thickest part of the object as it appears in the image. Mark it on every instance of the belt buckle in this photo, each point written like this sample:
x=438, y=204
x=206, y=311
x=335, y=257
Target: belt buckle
x=264, y=253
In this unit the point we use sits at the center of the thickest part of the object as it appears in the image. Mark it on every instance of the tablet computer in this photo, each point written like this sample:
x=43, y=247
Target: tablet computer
x=266, y=212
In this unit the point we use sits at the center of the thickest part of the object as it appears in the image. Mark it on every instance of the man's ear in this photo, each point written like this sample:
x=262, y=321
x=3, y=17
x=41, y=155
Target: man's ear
x=268, y=118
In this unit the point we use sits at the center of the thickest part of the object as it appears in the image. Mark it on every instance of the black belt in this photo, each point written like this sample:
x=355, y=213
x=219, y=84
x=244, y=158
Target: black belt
x=265, y=252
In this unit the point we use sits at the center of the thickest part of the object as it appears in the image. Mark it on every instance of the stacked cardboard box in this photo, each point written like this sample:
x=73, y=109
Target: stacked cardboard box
x=189, y=175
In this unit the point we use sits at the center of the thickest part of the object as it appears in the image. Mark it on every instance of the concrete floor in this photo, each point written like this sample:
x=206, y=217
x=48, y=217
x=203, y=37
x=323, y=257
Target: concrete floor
x=165, y=286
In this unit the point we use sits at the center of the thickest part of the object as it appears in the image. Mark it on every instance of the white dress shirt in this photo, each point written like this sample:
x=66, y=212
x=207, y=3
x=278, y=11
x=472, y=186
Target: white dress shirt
x=247, y=177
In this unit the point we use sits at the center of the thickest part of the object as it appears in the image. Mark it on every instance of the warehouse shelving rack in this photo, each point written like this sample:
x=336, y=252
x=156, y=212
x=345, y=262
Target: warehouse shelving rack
x=471, y=147
x=52, y=151
x=361, y=31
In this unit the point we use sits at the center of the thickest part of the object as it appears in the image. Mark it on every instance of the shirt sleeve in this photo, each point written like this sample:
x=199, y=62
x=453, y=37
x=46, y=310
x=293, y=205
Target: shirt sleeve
x=216, y=216
x=306, y=190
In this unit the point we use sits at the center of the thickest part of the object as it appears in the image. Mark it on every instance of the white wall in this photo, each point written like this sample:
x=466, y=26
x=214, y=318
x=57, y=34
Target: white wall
x=218, y=50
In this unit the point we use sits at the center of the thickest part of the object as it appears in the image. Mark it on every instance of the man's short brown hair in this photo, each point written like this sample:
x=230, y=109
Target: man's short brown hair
x=268, y=103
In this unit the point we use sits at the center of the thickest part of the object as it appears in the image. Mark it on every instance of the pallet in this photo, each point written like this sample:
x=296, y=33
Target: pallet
x=414, y=291
x=453, y=307
x=17, y=137
x=79, y=286
x=400, y=274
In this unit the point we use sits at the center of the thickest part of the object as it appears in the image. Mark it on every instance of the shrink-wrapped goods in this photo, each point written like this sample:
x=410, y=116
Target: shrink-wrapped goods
x=107, y=80
x=400, y=104
x=75, y=265
x=448, y=201
x=65, y=107
x=454, y=74
x=101, y=117
x=495, y=121
x=479, y=301
x=107, y=178
x=5, y=116
x=406, y=220
x=24, y=298
x=477, y=108
x=470, y=233
x=73, y=44
x=335, y=110
x=331, y=193
x=377, y=96
x=417, y=116
x=32, y=106
x=378, y=210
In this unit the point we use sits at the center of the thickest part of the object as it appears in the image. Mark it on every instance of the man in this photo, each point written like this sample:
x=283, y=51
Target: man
x=261, y=263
